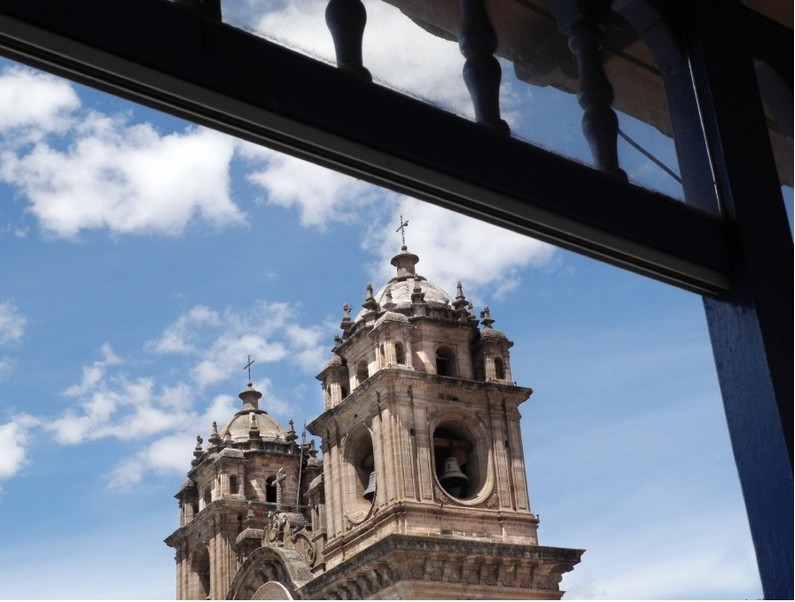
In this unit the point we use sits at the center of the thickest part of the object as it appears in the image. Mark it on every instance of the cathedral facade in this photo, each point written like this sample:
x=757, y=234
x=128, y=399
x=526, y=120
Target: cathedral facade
x=421, y=491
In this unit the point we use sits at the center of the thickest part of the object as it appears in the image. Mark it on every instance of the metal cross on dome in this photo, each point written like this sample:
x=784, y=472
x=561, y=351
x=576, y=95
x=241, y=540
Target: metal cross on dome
x=402, y=229
x=248, y=367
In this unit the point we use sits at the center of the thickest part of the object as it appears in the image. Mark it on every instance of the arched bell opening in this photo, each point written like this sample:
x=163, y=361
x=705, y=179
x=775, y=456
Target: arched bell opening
x=400, y=354
x=359, y=469
x=445, y=362
x=362, y=372
x=499, y=368
x=200, y=573
x=271, y=490
x=207, y=497
x=460, y=448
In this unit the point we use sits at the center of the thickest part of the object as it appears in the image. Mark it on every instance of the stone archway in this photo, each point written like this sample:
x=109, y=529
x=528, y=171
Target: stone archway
x=270, y=574
x=272, y=590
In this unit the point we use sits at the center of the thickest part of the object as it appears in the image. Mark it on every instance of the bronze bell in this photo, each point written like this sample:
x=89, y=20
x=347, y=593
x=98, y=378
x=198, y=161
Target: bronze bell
x=369, y=493
x=452, y=478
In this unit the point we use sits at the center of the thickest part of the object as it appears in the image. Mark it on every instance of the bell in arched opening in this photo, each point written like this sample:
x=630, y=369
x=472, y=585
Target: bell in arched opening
x=452, y=479
x=369, y=493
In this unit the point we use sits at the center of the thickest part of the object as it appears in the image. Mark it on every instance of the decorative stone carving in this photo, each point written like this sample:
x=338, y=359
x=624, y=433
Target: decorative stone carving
x=417, y=569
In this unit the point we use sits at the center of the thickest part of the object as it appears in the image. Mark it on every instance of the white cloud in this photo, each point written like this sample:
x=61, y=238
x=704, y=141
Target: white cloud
x=268, y=332
x=34, y=103
x=127, y=178
x=222, y=359
x=108, y=404
x=182, y=335
x=12, y=323
x=82, y=169
x=453, y=247
x=321, y=196
x=14, y=439
x=124, y=409
x=111, y=405
x=168, y=455
x=93, y=374
x=311, y=346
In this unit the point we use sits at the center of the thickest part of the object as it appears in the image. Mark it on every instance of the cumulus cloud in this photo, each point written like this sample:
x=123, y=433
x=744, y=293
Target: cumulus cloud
x=218, y=341
x=34, y=104
x=320, y=195
x=182, y=336
x=127, y=178
x=14, y=439
x=108, y=404
x=171, y=454
x=80, y=169
x=452, y=247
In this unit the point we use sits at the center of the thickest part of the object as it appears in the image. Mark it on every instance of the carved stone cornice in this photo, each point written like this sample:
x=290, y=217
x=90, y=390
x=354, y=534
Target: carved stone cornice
x=418, y=564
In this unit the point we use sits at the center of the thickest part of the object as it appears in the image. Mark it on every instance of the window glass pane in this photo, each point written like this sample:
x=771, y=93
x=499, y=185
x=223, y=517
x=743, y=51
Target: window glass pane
x=418, y=55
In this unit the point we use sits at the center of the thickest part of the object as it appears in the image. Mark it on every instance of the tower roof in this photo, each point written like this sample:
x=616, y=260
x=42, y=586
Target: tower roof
x=240, y=426
x=399, y=294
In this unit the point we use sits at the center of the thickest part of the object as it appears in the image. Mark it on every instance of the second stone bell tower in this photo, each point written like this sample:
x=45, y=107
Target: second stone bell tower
x=423, y=465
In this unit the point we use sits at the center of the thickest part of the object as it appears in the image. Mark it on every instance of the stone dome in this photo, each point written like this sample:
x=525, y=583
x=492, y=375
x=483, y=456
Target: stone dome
x=239, y=427
x=395, y=295
x=401, y=291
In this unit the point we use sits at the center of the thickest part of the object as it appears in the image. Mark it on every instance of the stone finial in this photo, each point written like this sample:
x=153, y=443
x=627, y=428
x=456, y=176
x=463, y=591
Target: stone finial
x=471, y=313
x=345, y=324
x=417, y=296
x=253, y=429
x=485, y=317
x=460, y=302
x=370, y=303
x=197, y=451
x=215, y=438
x=389, y=304
x=291, y=436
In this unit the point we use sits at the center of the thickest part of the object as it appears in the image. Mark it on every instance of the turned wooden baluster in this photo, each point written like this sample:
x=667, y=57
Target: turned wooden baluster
x=346, y=20
x=482, y=72
x=595, y=95
x=579, y=20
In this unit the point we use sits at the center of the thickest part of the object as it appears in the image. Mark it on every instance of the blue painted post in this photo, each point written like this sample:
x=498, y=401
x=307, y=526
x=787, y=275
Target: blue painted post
x=750, y=327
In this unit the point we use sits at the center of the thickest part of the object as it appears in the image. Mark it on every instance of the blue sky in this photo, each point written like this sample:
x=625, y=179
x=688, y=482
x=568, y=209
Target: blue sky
x=143, y=259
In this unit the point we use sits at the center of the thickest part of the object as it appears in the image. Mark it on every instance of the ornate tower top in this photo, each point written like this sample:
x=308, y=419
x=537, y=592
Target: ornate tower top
x=405, y=262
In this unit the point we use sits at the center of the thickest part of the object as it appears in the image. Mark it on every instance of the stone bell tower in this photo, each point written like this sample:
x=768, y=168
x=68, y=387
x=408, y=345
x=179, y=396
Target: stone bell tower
x=421, y=492
x=423, y=464
x=241, y=490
